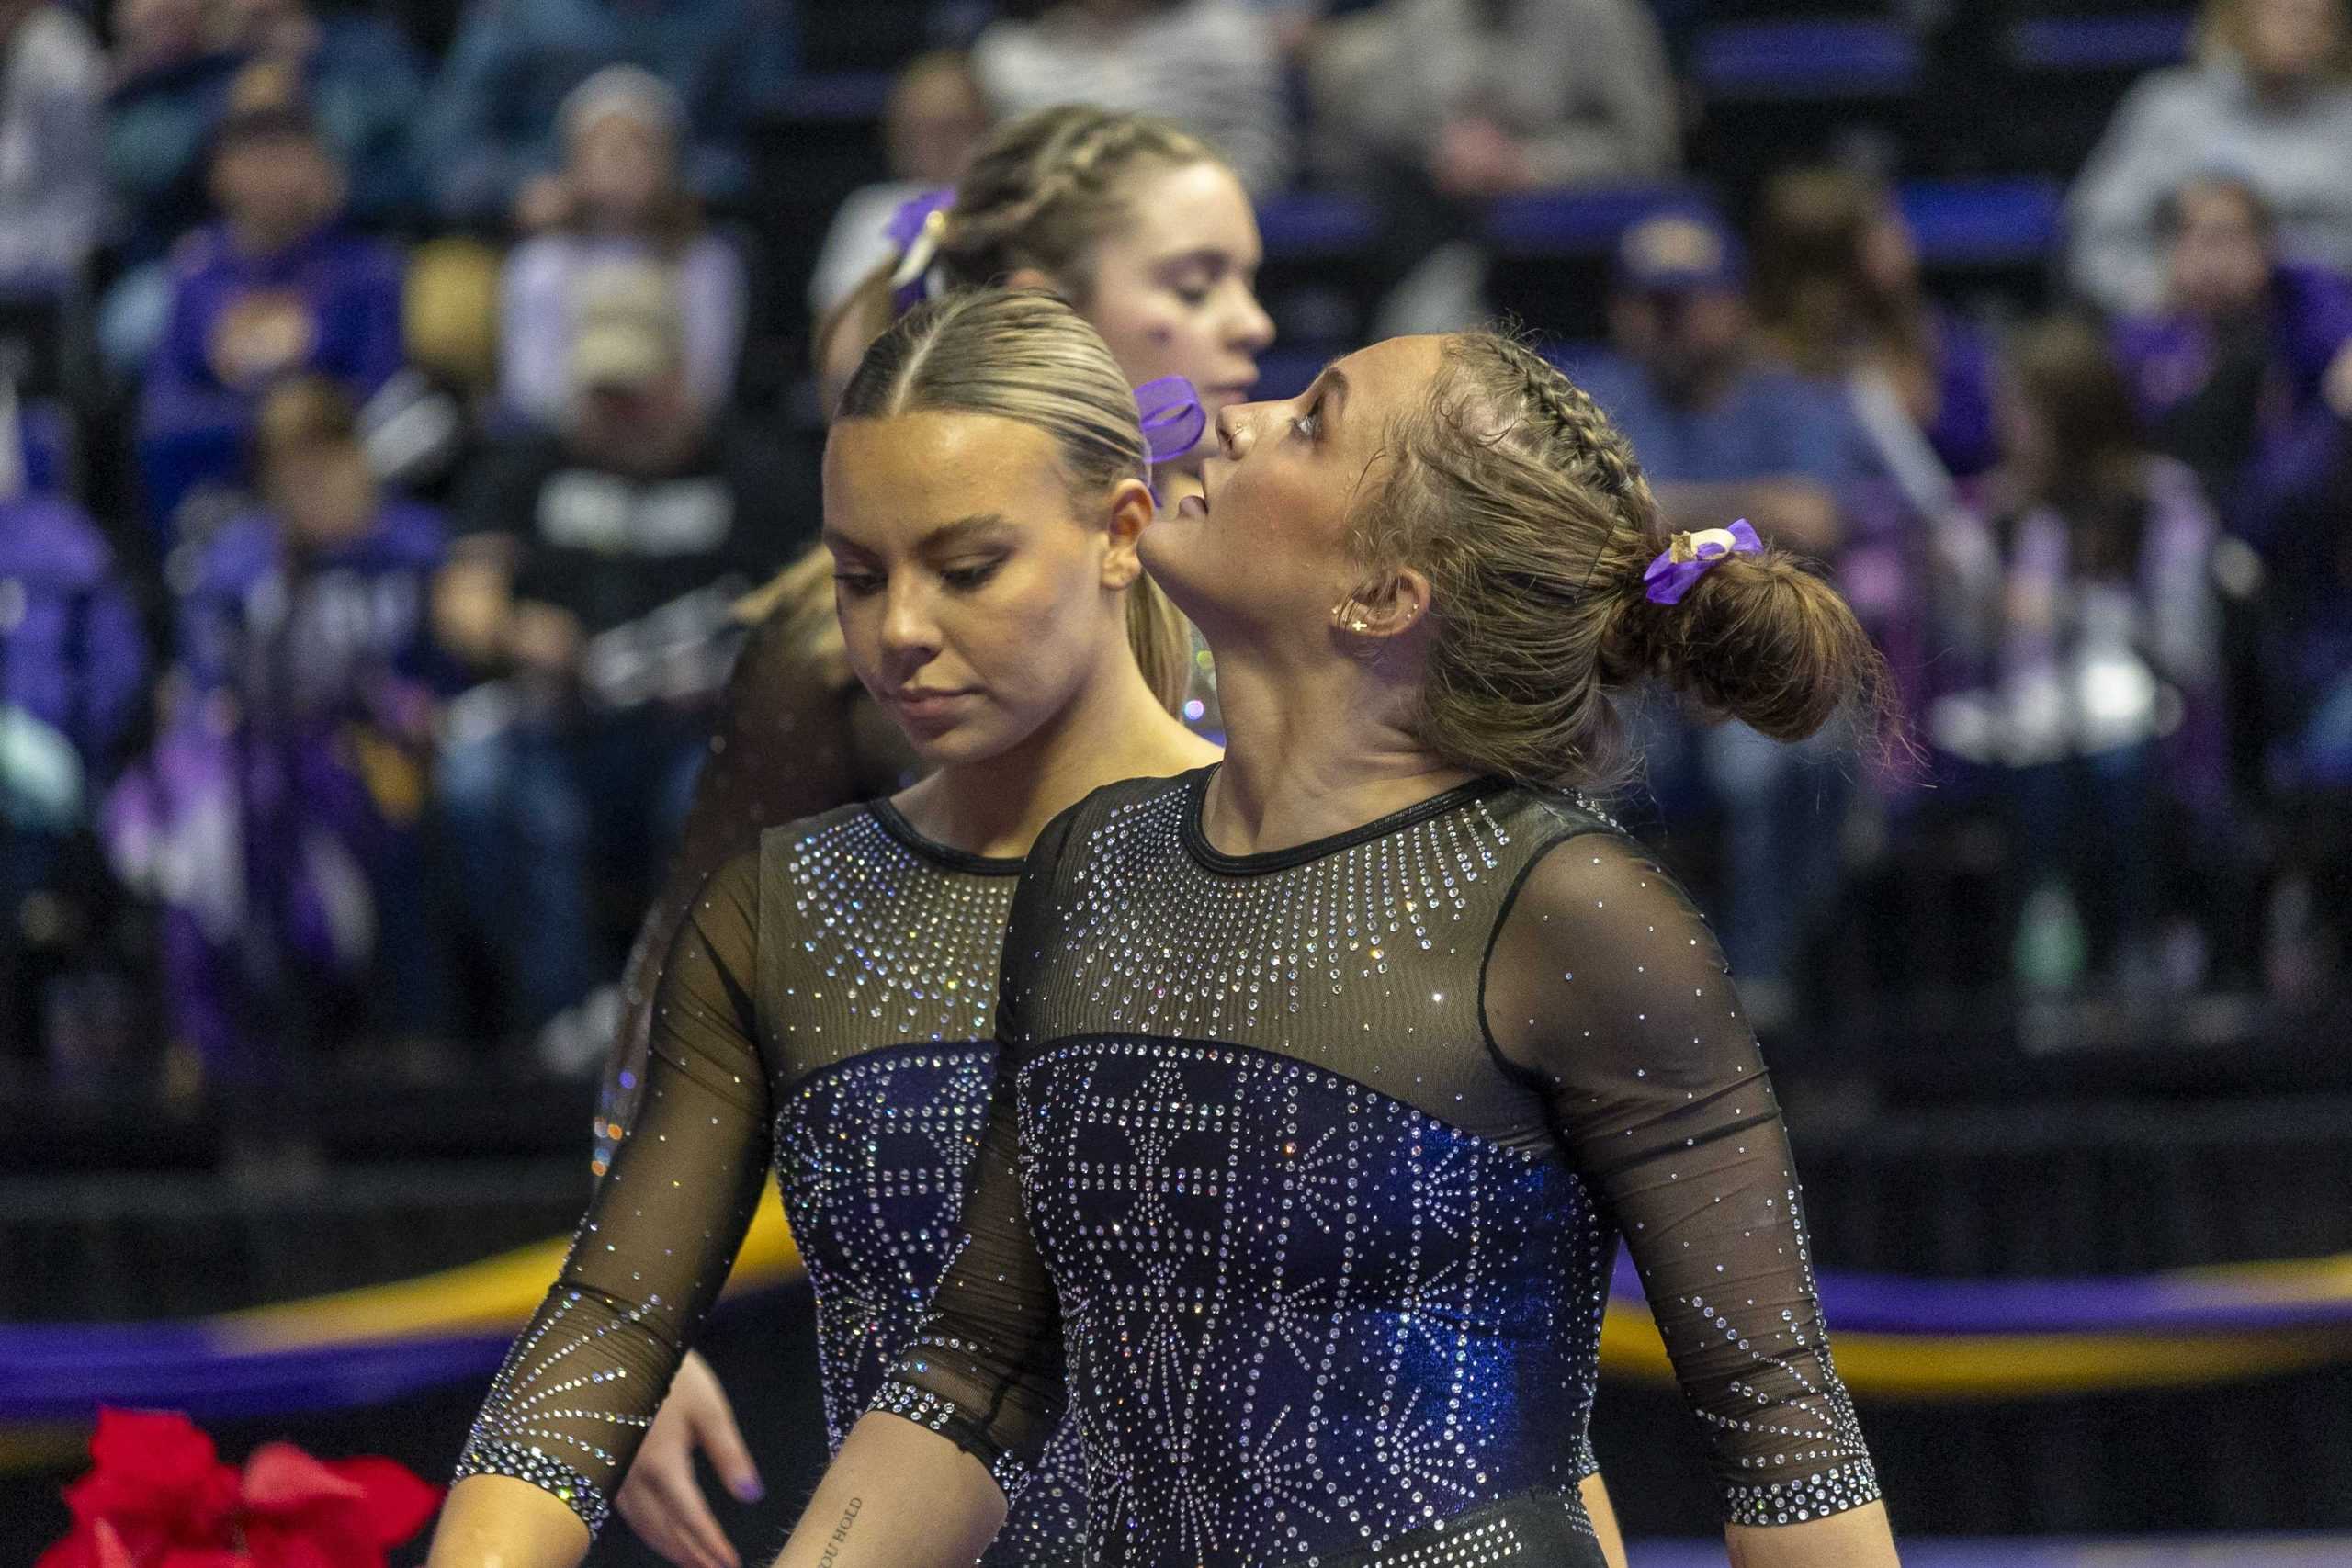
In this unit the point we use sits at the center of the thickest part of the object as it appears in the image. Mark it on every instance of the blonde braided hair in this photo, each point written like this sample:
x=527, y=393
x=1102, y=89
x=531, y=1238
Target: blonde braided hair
x=1041, y=192
x=1046, y=189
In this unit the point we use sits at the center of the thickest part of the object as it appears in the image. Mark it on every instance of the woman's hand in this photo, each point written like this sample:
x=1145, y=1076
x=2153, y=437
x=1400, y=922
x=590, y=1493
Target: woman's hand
x=662, y=1498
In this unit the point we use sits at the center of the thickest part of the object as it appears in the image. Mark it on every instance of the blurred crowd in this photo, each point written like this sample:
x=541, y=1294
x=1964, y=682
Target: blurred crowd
x=390, y=417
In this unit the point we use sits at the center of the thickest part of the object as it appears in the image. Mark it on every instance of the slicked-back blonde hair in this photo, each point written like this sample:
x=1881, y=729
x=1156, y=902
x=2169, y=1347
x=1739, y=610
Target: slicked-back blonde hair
x=1530, y=515
x=1026, y=355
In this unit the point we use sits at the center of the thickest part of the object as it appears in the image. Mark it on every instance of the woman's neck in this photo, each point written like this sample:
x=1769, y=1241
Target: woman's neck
x=1113, y=728
x=1312, y=750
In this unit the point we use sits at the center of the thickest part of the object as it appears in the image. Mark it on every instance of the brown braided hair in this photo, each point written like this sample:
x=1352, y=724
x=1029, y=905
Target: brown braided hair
x=1529, y=512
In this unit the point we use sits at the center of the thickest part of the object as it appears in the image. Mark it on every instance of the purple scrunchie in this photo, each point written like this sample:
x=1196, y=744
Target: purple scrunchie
x=1173, y=419
x=909, y=280
x=1689, y=557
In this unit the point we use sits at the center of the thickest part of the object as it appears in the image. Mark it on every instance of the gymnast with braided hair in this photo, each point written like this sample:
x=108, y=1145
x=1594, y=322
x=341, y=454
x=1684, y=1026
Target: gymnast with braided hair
x=1333, y=1073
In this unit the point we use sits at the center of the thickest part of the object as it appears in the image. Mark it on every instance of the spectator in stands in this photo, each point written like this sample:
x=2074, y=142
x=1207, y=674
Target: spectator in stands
x=2244, y=372
x=363, y=79
x=53, y=120
x=1213, y=66
x=1723, y=428
x=1479, y=99
x=1838, y=296
x=73, y=668
x=617, y=199
x=1436, y=107
x=278, y=820
x=936, y=118
x=2246, y=375
x=1724, y=431
x=489, y=138
x=2098, y=623
x=641, y=500
x=181, y=66
x=172, y=74
x=2271, y=95
x=277, y=286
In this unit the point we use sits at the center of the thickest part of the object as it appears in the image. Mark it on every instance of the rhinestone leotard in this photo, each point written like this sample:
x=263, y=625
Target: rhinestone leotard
x=830, y=1000
x=1302, y=1183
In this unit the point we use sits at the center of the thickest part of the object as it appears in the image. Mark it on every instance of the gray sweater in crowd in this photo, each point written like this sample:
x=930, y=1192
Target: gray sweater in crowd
x=1583, y=82
x=2202, y=119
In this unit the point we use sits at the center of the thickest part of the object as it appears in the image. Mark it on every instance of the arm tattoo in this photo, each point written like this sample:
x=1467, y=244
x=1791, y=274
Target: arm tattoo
x=834, y=1542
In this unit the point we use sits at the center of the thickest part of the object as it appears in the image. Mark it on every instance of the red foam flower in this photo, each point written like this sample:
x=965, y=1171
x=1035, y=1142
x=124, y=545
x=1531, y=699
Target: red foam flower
x=159, y=1497
x=305, y=1513
x=158, y=1482
x=100, y=1545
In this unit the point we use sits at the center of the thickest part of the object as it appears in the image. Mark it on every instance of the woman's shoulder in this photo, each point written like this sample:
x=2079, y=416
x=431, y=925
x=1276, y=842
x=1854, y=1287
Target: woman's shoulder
x=1554, y=811
x=2180, y=90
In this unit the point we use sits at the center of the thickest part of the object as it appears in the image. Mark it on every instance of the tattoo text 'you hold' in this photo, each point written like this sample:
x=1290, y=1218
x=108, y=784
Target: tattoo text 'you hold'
x=834, y=1542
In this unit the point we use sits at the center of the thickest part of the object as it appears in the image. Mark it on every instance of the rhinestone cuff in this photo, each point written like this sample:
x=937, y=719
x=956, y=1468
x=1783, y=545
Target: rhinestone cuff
x=1807, y=1498
x=490, y=1456
x=936, y=1412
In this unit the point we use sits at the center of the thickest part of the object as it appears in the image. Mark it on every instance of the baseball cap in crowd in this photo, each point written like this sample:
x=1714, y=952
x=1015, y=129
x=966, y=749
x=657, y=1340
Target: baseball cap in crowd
x=1681, y=249
x=628, y=91
x=626, y=326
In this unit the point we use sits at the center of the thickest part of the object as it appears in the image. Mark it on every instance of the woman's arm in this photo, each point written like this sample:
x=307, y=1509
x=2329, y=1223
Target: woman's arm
x=1603, y=1515
x=1607, y=989
x=490, y=1522
x=565, y=1414
x=896, y=1496
x=1858, y=1537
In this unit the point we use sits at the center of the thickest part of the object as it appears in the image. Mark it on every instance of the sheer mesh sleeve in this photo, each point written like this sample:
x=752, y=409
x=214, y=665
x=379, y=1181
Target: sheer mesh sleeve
x=987, y=1370
x=795, y=737
x=1605, y=984
x=572, y=1401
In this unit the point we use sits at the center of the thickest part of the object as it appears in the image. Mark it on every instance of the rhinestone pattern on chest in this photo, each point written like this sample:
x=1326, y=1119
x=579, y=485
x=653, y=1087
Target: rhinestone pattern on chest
x=1301, y=1316
x=876, y=984
x=885, y=946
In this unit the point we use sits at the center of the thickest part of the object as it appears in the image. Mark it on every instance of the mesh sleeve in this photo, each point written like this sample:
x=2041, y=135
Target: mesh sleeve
x=791, y=740
x=987, y=1370
x=578, y=1390
x=1606, y=986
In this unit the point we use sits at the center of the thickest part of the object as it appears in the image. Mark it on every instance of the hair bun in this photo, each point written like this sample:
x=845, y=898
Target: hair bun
x=1759, y=638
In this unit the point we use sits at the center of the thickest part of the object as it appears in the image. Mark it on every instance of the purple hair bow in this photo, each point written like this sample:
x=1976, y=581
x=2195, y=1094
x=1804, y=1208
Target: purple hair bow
x=1689, y=557
x=913, y=232
x=1173, y=419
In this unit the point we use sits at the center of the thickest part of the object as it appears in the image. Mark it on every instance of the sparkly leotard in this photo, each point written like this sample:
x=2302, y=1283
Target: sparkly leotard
x=1302, y=1183
x=830, y=1001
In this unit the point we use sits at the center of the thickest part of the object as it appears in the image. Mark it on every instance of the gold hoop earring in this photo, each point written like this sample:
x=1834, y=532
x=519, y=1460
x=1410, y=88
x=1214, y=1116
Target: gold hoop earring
x=1349, y=613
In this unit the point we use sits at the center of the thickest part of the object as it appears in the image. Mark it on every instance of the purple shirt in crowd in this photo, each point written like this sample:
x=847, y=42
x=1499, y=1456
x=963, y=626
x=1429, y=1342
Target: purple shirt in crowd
x=2171, y=356
x=328, y=304
x=71, y=654
x=329, y=637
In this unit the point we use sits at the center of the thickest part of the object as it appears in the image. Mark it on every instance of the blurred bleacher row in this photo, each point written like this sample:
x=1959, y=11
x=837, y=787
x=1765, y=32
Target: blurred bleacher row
x=1978, y=115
